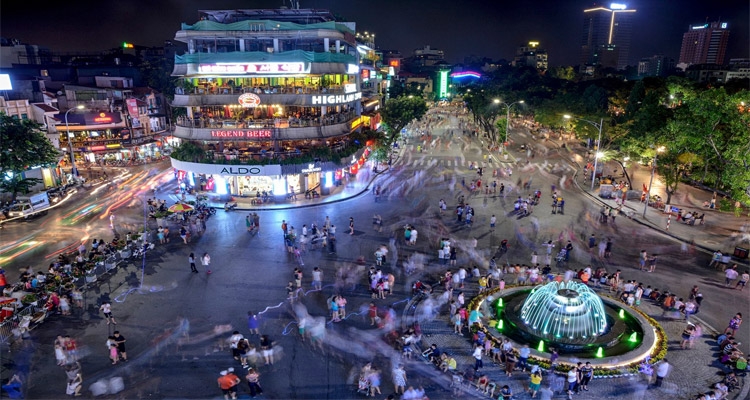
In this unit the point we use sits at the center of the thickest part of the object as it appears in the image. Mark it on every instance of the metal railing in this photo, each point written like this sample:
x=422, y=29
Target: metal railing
x=282, y=123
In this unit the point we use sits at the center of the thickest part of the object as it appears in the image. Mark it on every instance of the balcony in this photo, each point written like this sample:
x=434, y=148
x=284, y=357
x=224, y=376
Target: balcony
x=328, y=126
x=285, y=96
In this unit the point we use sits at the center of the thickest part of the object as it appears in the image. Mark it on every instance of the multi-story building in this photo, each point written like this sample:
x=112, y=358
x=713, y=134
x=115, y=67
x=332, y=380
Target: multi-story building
x=705, y=44
x=531, y=55
x=606, y=36
x=269, y=99
x=657, y=65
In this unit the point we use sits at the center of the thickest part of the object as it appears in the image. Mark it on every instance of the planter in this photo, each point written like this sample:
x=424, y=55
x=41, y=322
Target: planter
x=110, y=263
x=90, y=278
x=125, y=253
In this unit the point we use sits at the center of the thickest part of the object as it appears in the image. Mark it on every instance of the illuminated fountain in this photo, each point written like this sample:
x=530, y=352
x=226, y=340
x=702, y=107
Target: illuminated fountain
x=568, y=316
x=565, y=312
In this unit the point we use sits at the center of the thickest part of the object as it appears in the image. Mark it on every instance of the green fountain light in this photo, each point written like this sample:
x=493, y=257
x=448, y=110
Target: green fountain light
x=633, y=337
x=600, y=352
x=540, y=348
x=499, y=325
x=621, y=314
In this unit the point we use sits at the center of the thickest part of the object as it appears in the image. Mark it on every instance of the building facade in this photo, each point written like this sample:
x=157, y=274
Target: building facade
x=705, y=44
x=269, y=99
x=531, y=55
x=606, y=36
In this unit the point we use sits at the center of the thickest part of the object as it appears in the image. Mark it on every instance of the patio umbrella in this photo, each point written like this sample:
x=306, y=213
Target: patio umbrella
x=180, y=207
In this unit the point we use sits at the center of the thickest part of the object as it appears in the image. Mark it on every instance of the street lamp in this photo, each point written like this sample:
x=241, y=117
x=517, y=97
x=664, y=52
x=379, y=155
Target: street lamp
x=73, y=170
x=507, y=116
x=598, y=143
x=660, y=149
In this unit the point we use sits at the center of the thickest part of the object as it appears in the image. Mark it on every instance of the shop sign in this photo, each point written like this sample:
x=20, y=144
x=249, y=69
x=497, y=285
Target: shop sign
x=103, y=118
x=254, y=68
x=335, y=99
x=249, y=100
x=311, y=168
x=249, y=134
x=240, y=171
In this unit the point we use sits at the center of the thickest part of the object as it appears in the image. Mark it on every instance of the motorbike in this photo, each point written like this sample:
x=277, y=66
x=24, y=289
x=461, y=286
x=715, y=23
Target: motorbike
x=230, y=207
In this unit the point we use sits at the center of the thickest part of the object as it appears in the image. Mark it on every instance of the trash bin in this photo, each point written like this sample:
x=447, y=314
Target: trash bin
x=741, y=252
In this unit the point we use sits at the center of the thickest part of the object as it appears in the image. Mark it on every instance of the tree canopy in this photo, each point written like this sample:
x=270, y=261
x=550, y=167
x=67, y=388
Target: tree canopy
x=398, y=112
x=22, y=145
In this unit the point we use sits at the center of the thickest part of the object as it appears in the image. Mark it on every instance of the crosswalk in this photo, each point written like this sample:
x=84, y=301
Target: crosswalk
x=558, y=168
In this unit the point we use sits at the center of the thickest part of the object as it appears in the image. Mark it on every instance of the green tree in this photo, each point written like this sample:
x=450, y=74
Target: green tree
x=398, y=112
x=22, y=145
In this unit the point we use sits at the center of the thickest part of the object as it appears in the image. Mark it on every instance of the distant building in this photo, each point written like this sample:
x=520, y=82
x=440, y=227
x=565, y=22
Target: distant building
x=424, y=60
x=713, y=73
x=657, y=65
x=606, y=36
x=531, y=55
x=705, y=44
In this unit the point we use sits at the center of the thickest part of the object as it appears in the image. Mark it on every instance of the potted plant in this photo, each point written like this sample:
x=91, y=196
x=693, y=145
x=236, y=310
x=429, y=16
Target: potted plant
x=29, y=299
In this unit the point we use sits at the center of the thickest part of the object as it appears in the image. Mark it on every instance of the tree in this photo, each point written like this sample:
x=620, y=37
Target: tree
x=22, y=145
x=398, y=112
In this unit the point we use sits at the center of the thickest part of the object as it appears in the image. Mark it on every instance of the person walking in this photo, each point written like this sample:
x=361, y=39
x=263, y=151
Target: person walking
x=535, y=382
x=253, y=382
x=191, y=261
x=743, y=281
x=206, y=262
x=662, y=371
x=477, y=354
x=730, y=275
x=228, y=384
x=585, y=374
x=120, y=341
x=106, y=308
x=351, y=225
x=399, y=379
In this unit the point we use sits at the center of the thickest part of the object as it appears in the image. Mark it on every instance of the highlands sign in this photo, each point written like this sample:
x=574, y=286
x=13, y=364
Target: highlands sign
x=333, y=99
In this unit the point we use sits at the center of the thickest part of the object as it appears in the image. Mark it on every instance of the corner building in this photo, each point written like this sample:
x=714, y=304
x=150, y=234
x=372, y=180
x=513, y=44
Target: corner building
x=270, y=99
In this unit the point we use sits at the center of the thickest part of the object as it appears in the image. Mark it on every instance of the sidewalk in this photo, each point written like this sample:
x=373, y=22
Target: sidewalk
x=721, y=230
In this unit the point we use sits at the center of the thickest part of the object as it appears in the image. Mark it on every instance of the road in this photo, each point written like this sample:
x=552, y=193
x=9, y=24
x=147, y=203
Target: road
x=176, y=322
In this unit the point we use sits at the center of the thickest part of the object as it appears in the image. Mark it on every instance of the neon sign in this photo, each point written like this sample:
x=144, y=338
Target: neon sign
x=103, y=118
x=335, y=99
x=466, y=74
x=250, y=134
x=310, y=169
x=617, y=6
x=254, y=68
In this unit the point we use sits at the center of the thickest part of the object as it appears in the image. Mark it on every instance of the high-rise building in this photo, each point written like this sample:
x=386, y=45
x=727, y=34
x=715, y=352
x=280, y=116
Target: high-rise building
x=705, y=44
x=606, y=36
x=531, y=55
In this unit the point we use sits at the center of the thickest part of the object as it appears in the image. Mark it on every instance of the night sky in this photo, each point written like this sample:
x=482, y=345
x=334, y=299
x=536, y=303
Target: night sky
x=484, y=28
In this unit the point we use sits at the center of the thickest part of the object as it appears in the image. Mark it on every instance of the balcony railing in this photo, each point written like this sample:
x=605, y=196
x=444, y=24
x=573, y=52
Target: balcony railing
x=219, y=90
x=291, y=122
x=257, y=156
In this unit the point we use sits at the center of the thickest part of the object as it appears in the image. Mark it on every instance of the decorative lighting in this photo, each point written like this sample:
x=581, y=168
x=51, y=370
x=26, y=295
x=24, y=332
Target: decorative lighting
x=567, y=310
x=633, y=337
x=600, y=352
x=540, y=347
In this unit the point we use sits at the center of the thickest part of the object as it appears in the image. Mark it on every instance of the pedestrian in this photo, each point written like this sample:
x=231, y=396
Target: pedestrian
x=477, y=354
x=730, y=275
x=734, y=324
x=60, y=354
x=535, y=382
x=642, y=258
x=592, y=241
x=523, y=357
x=191, y=261
x=602, y=248
x=652, y=263
x=228, y=384
x=351, y=225
x=399, y=379
x=572, y=379
x=586, y=373
x=252, y=323
x=687, y=335
x=253, y=382
x=120, y=341
x=206, y=262
x=743, y=281
x=493, y=221
x=113, y=354
x=413, y=237
x=106, y=308
x=317, y=279
x=284, y=227
x=662, y=370
x=73, y=387
x=266, y=349
x=510, y=360
x=234, y=341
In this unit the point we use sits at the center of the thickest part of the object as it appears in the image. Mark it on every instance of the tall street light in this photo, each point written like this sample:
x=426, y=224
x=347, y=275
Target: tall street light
x=598, y=143
x=660, y=149
x=73, y=170
x=507, y=116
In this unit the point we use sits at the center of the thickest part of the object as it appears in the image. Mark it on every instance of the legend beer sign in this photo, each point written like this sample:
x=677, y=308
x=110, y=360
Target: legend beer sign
x=241, y=134
x=255, y=68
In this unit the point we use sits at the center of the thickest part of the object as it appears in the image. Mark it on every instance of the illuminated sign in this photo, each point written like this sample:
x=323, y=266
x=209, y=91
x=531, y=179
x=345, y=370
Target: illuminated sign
x=352, y=69
x=393, y=63
x=103, y=118
x=240, y=171
x=310, y=169
x=255, y=68
x=443, y=84
x=335, y=99
x=350, y=88
x=365, y=73
x=5, y=82
x=724, y=25
x=249, y=134
x=617, y=6
x=465, y=74
x=249, y=100
x=700, y=26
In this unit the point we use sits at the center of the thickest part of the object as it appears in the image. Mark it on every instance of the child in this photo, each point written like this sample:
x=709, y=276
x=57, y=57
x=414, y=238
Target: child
x=59, y=354
x=113, y=355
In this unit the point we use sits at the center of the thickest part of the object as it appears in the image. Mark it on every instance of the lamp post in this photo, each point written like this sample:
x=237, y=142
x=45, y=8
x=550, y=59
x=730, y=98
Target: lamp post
x=73, y=171
x=507, y=116
x=598, y=143
x=660, y=149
